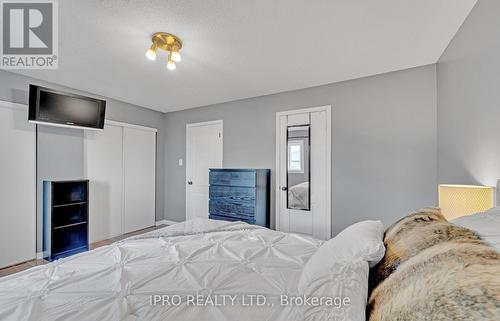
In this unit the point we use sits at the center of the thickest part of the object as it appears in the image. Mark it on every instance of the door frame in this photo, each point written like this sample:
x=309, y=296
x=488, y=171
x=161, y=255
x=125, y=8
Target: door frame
x=189, y=126
x=328, y=148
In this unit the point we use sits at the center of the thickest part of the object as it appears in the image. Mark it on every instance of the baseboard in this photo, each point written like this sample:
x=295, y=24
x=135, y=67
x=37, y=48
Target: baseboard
x=41, y=255
x=165, y=222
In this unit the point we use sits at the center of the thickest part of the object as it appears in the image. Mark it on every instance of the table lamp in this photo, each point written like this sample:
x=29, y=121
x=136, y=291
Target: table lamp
x=460, y=200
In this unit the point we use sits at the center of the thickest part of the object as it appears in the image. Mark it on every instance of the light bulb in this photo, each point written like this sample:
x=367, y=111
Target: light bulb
x=171, y=65
x=176, y=56
x=151, y=53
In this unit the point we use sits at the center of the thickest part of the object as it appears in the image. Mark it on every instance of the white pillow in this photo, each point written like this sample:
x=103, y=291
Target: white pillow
x=339, y=269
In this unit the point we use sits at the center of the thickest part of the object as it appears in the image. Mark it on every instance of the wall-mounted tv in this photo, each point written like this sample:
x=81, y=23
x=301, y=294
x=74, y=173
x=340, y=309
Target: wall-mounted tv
x=56, y=108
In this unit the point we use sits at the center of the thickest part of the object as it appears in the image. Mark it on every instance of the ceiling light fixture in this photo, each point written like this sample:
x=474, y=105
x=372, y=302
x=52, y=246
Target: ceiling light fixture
x=168, y=42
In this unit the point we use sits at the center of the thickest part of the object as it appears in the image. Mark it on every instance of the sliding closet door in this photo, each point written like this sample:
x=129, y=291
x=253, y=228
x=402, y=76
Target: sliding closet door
x=104, y=169
x=17, y=187
x=139, y=158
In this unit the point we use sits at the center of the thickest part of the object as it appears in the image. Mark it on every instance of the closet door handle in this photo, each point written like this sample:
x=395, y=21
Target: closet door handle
x=284, y=188
x=190, y=183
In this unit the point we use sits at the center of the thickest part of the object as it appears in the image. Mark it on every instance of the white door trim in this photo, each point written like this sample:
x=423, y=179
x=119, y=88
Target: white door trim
x=191, y=125
x=328, y=147
x=205, y=123
x=327, y=108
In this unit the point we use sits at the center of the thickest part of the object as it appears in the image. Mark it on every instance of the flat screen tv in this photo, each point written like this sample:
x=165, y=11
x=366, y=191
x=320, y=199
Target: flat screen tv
x=52, y=107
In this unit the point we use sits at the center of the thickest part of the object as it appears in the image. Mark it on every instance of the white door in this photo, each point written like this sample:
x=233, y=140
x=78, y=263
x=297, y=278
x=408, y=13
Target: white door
x=104, y=169
x=139, y=168
x=17, y=187
x=303, y=165
x=203, y=151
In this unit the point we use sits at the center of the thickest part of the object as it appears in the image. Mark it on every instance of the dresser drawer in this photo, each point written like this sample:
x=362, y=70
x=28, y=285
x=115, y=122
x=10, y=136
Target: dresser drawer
x=240, y=194
x=232, y=178
x=232, y=192
x=232, y=208
x=231, y=219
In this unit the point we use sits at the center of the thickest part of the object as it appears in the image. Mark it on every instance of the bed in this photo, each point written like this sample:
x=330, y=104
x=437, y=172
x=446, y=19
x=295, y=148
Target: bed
x=486, y=224
x=132, y=279
x=182, y=272
x=434, y=270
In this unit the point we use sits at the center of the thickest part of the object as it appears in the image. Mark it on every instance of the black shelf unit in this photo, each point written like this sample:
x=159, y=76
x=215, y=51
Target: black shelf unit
x=65, y=218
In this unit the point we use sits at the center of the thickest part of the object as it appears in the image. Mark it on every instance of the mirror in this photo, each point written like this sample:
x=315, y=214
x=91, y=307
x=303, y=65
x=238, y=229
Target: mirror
x=298, y=167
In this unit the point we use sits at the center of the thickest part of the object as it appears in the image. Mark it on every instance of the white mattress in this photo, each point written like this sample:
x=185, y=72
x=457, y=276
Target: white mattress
x=199, y=257
x=486, y=225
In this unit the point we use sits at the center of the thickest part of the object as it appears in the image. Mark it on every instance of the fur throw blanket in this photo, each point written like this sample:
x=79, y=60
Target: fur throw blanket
x=436, y=271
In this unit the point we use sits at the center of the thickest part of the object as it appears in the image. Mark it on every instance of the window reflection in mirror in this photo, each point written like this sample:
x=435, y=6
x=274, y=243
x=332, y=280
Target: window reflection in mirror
x=298, y=168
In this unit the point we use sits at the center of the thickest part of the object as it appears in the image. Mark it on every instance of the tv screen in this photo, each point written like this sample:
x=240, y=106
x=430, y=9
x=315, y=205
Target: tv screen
x=52, y=107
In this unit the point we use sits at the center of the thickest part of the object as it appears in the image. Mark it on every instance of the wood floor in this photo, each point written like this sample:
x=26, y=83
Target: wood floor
x=26, y=265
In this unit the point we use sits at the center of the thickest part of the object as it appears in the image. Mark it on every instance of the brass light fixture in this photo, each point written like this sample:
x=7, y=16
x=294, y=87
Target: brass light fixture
x=168, y=42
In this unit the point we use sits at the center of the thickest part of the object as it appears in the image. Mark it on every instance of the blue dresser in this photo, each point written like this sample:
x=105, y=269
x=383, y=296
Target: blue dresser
x=240, y=195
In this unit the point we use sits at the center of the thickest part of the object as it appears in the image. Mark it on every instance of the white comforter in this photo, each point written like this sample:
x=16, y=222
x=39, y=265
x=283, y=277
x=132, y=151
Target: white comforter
x=486, y=224
x=199, y=258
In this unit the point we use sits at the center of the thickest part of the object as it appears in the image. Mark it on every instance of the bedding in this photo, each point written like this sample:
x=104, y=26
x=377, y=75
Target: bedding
x=340, y=269
x=486, y=224
x=195, y=270
x=434, y=270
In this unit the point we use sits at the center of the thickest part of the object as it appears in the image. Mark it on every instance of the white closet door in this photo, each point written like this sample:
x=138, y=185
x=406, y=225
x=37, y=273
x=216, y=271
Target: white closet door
x=104, y=169
x=139, y=156
x=17, y=189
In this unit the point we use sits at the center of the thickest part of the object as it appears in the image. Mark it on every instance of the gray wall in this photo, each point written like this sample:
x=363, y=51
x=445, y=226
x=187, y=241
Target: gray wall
x=383, y=134
x=60, y=150
x=468, y=76
x=384, y=142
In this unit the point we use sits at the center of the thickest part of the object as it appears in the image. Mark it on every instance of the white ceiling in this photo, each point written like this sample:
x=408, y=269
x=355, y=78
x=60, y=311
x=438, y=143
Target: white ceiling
x=243, y=48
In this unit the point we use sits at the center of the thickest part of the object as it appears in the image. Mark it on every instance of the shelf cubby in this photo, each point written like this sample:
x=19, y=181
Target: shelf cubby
x=65, y=218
